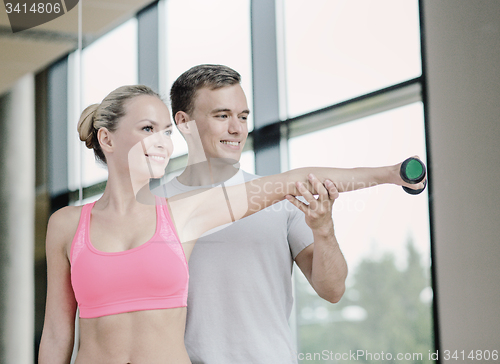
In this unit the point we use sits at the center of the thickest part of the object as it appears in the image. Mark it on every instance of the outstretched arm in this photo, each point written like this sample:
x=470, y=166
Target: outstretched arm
x=197, y=213
x=266, y=191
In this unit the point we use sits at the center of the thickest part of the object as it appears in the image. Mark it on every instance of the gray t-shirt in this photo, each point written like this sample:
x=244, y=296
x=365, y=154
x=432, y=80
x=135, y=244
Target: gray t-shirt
x=240, y=290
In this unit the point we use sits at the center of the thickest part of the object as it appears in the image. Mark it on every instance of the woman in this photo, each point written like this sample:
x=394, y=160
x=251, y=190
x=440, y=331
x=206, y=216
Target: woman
x=123, y=259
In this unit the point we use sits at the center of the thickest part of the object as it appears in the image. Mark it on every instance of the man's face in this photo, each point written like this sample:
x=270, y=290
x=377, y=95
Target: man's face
x=221, y=118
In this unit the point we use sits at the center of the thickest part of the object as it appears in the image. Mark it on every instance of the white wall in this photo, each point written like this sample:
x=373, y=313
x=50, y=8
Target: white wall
x=462, y=49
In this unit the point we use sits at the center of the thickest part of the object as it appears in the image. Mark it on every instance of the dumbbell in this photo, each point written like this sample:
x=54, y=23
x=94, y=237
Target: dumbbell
x=413, y=171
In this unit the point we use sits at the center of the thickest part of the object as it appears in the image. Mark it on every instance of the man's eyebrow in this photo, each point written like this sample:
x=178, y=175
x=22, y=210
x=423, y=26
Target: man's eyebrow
x=229, y=110
x=215, y=111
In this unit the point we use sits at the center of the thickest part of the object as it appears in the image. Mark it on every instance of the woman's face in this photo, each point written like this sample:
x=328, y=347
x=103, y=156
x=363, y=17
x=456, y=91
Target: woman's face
x=142, y=139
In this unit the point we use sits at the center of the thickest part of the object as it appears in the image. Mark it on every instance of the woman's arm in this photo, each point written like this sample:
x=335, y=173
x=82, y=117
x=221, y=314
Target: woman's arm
x=266, y=191
x=56, y=345
x=217, y=206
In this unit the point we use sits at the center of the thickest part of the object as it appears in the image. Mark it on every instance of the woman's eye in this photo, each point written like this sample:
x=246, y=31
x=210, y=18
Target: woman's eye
x=168, y=132
x=148, y=128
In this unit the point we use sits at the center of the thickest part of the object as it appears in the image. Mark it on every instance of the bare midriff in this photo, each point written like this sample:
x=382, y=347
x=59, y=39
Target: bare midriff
x=152, y=336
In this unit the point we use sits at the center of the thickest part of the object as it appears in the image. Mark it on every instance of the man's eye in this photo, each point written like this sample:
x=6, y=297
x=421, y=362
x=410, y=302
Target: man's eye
x=223, y=116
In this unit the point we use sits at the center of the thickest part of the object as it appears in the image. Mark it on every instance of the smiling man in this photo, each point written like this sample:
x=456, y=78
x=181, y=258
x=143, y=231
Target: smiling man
x=240, y=289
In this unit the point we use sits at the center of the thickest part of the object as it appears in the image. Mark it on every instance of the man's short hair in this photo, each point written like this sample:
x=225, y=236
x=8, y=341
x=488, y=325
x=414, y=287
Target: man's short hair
x=213, y=76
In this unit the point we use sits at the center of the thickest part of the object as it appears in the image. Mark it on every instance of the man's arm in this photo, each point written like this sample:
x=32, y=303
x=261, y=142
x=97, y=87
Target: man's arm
x=322, y=262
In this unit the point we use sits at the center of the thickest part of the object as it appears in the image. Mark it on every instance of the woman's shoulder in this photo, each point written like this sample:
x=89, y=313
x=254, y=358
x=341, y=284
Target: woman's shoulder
x=67, y=214
x=64, y=222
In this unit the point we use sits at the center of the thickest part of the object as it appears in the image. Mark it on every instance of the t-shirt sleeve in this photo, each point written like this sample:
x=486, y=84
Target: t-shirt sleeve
x=300, y=235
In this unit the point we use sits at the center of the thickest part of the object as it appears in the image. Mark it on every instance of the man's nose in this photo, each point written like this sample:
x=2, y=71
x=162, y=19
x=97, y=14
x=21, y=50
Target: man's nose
x=235, y=125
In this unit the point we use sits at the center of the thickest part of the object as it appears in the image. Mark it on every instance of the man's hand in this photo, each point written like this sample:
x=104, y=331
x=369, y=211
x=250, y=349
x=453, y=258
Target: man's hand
x=318, y=212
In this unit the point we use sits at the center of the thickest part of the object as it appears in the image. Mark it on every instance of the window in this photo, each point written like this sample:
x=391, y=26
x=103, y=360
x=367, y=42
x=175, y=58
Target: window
x=200, y=32
x=384, y=235
x=336, y=50
x=108, y=63
x=247, y=161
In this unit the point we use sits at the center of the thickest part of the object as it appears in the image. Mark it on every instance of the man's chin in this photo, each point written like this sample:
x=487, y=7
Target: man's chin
x=225, y=160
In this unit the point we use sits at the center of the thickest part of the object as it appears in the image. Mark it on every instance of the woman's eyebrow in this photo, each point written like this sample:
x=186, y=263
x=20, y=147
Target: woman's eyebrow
x=154, y=123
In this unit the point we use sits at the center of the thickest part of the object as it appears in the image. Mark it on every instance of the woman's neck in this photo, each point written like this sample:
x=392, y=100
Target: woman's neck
x=123, y=194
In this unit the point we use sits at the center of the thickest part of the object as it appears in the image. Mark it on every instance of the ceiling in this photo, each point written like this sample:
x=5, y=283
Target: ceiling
x=34, y=49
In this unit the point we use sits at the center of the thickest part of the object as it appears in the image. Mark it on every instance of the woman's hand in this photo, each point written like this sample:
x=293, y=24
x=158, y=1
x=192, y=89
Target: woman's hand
x=395, y=175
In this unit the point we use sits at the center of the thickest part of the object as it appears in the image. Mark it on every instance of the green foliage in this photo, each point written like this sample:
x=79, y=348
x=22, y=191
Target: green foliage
x=388, y=314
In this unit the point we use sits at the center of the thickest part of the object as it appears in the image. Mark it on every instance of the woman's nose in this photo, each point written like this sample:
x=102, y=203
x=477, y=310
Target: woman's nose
x=160, y=140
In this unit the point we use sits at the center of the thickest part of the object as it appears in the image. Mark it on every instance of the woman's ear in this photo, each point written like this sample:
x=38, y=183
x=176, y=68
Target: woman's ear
x=182, y=121
x=105, y=139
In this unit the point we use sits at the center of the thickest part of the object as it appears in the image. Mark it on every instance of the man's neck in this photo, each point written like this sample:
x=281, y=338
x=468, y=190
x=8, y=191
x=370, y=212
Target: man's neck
x=210, y=172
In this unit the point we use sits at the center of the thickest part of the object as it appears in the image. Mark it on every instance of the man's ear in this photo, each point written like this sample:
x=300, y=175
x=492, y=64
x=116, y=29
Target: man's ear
x=182, y=121
x=105, y=139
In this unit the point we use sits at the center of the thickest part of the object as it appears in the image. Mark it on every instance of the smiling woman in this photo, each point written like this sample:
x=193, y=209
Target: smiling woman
x=91, y=249
x=123, y=259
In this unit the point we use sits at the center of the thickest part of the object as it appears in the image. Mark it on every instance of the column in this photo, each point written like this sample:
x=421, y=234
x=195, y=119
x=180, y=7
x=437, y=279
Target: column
x=17, y=206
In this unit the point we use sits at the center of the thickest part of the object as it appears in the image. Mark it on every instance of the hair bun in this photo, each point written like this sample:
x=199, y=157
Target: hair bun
x=86, y=125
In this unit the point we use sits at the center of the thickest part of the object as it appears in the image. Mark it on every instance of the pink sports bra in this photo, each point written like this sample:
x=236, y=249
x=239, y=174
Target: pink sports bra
x=151, y=276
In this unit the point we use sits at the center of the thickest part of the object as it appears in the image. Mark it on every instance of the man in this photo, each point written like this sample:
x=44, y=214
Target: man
x=240, y=290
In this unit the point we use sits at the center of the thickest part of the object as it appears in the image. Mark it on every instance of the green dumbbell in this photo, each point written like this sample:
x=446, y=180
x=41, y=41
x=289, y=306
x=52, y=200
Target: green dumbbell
x=413, y=171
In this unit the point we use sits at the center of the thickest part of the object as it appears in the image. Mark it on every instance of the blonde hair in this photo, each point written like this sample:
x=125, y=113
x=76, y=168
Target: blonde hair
x=106, y=114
